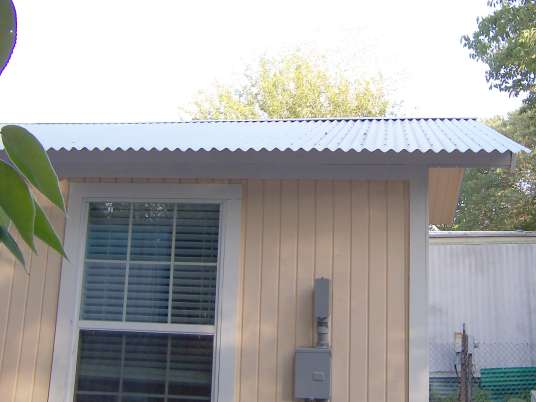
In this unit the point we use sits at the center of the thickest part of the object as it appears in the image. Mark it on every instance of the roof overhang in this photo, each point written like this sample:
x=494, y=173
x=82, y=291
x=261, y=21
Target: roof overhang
x=445, y=169
x=445, y=173
x=260, y=164
x=444, y=186
x=329, y=149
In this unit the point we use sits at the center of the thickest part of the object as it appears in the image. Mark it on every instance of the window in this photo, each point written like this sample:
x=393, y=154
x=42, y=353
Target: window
x=151, y=302
x=132, y=366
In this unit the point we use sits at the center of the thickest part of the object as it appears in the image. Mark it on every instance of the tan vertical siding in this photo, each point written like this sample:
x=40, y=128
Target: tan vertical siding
x=355, y=233
x=306, y=262
x=286, y=312
x=397, y=283
x=249, y=367
x=377, y=292
x=342, y=235
x=27, y=318
x=359, y=288
x=269, y=292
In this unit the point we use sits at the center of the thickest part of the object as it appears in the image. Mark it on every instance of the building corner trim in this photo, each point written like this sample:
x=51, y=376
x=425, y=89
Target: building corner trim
x=418, y=290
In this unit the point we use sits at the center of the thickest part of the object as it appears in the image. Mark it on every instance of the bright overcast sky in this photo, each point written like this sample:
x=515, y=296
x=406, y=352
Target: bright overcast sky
x=130, y=60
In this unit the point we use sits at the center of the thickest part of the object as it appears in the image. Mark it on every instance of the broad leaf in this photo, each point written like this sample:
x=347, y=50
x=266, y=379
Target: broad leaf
x=44, y=230
x=8, y=31
x=7, y=239
x=4, y=219
x=17, y=202
x=11, y=244
x=30, y=158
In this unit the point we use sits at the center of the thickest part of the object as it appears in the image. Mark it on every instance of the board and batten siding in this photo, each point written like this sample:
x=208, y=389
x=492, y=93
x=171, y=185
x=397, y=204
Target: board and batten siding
x=28, y=305
x=354, y=232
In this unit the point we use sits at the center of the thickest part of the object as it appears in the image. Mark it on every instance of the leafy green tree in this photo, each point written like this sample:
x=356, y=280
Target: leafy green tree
x=505, y=40
x=500, y=199
x=27, y=170
x=8, y=31
x=294, y=86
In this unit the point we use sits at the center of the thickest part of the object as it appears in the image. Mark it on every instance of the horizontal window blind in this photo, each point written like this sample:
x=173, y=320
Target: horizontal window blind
x=108, y=227
x=152, y=231
x=151, y=262
x=121, y=367
x=104, y=290
x=194, y=294
x=196, y=238
x=148, y=293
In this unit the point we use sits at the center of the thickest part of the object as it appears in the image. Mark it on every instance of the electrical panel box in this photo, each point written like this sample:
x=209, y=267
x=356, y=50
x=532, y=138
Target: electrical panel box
x=471, y=343
x=312, y=373
x=457, y=342
x=322, y=298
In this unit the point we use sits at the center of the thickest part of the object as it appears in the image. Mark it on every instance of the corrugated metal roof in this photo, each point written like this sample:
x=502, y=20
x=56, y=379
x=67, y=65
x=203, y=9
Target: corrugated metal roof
x=344, y=134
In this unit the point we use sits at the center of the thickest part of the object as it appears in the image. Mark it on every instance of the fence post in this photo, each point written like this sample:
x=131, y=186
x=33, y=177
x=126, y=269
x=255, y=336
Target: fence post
x=466, y=370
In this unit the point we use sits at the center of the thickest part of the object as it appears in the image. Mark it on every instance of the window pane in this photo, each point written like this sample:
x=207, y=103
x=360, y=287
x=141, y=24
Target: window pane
x=99, y=363
x=103, y=292
x=152, y=228
x=148, y=293
x=190, y=368
x=143, y=367
x=196, y=238
x=132, y=247
x=194, y=294
x=145, y=364
x=107, y=234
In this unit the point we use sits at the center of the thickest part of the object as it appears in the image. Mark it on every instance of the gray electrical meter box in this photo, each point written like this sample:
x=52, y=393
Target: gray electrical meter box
x=321, y=298
x=312, y=373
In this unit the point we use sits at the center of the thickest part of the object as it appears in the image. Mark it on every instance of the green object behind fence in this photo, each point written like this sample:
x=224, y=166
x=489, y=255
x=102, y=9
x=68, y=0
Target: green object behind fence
x=505, y=383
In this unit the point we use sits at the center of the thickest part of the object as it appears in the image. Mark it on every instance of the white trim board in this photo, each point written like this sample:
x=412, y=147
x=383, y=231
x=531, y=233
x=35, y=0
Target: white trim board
x=418, y=290
x=67, y=325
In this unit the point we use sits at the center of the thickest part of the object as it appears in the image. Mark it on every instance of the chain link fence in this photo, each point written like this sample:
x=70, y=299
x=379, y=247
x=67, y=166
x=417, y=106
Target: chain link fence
x=485, y=355
x=501, y=371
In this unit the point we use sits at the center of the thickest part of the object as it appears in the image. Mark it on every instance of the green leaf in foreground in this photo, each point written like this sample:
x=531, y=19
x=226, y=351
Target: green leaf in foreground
x=44, y=230
x=7, y=239
x=17, y=202
x=8, y=31
x=30, y=157
x=4, y=219
x=11, y=244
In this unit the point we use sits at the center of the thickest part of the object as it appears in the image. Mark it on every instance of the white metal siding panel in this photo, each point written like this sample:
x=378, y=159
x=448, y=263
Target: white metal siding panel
x=491, y=287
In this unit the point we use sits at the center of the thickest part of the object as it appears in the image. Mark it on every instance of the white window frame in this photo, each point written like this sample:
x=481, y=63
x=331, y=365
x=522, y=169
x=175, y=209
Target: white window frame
x=224, y=366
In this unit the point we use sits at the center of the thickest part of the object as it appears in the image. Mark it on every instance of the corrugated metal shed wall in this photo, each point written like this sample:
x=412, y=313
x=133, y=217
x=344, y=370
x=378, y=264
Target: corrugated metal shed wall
x=491, y=286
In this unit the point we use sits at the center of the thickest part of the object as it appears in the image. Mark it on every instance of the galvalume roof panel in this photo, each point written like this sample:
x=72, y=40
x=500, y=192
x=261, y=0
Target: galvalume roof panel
x=341, y=134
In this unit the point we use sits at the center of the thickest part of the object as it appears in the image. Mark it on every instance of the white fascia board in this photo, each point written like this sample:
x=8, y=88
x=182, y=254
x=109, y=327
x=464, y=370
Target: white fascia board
x=262, y=165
